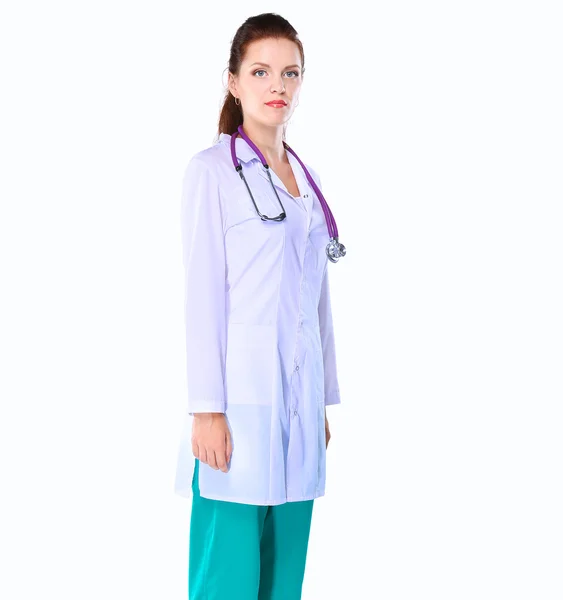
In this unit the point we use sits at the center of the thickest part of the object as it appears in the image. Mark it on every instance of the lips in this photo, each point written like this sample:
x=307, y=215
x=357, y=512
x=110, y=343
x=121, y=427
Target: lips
x=276, y=103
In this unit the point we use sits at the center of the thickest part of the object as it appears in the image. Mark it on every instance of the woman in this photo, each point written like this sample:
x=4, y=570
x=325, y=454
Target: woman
x=260, y=346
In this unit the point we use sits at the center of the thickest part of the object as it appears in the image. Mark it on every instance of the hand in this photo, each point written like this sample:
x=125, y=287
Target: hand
x=211, y=440
x=327, y=430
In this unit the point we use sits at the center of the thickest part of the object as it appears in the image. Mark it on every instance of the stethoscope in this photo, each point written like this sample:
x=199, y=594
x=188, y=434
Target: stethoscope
x=334, y=248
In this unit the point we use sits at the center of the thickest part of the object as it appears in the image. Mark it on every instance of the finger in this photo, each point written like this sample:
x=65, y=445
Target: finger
x=212, y=459
x=221, y=460
x=221, y=455
x=229, y=447
x=202, y=454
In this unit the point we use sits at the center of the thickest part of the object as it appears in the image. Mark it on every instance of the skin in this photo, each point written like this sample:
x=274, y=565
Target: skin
x=254, y=86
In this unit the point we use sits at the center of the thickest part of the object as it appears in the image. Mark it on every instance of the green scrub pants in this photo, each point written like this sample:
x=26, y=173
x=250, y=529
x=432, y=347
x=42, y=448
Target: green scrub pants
x=246, y=551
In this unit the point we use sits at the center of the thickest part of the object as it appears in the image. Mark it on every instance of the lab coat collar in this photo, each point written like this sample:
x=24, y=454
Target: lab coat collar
x=243, y=151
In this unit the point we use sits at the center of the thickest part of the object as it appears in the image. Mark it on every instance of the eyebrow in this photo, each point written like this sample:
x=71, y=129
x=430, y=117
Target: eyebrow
x=265, y=65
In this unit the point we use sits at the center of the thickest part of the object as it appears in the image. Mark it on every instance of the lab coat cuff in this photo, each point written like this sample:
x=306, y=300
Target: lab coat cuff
x=206, y=406
x=333, y=398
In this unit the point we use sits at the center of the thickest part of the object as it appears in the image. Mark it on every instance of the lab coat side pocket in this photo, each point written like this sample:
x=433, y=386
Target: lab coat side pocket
x=249, y=366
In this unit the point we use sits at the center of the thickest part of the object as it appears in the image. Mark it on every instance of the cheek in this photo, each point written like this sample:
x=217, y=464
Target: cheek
x=257, y=84
x=295, y=85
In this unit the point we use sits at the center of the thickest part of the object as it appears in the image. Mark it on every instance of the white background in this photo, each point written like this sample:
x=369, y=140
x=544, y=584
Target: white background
x=436, y=128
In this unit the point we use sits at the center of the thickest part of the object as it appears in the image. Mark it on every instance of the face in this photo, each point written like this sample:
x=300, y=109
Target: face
x=277, y=76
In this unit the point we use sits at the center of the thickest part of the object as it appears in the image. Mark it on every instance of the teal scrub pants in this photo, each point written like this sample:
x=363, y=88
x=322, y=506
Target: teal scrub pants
x=246, y=551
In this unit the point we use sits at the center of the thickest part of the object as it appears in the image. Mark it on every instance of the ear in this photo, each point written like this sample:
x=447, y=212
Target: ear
x=232, y=85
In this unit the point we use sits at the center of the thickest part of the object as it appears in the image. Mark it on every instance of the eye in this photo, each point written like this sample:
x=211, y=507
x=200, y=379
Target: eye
x=296, y=73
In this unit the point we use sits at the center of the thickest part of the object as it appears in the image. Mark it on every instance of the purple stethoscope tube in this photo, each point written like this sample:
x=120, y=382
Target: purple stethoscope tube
x=334, y=248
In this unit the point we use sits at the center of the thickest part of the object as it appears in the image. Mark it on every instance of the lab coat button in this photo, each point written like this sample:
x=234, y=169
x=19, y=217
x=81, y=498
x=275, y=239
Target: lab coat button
x=297, y=368
x=295, y=413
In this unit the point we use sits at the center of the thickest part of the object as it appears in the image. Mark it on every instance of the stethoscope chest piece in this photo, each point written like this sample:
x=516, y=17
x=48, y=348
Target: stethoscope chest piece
x=335, y=250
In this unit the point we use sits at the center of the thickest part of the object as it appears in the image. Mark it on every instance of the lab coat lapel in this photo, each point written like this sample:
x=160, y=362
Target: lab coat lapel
x=300, y=179
x=247, y=155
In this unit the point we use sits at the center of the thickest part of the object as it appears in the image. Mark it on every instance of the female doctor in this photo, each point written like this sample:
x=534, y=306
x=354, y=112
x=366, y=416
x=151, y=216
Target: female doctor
x=261, y=360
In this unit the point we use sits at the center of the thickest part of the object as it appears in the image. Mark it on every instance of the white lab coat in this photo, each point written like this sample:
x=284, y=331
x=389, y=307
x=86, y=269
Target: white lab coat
x=259, y=332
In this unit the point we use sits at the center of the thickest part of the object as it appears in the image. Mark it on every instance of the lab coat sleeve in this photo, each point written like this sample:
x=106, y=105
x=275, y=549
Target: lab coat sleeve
x=203, y=245
x=331, y=386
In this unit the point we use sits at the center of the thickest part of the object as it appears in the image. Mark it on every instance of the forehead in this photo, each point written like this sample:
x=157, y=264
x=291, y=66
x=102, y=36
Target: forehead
x=277, y=52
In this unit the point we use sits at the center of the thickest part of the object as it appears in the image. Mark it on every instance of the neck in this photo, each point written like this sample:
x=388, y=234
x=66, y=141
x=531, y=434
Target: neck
x=269, y=141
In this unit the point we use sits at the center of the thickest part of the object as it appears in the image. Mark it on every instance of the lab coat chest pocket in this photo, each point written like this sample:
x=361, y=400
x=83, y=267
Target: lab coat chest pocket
x=249, y=366
x=241, y=209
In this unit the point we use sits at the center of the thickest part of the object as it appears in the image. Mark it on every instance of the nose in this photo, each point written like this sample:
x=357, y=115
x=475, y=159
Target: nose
x=280, y=87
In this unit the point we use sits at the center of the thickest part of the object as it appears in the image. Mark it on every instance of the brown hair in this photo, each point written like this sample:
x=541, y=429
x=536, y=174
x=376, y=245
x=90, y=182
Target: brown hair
x=266, y=25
